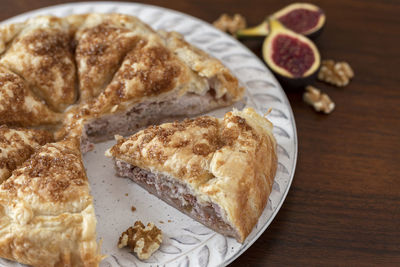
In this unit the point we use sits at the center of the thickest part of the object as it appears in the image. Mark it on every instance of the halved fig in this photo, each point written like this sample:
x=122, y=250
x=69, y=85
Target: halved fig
x=303, y=18
x=293, y=57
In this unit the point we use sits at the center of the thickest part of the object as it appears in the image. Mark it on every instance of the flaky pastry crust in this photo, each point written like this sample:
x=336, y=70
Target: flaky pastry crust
x=73, y=70
x=153, y=67
x=46, y=212
x=19, y=106
x=17, y=145
x=103, y=40
x=230, y=161
x=42, y=54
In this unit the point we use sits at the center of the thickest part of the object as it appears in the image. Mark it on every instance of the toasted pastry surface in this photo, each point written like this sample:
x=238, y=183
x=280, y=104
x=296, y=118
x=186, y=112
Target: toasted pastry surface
x=75, y=71
x=19, y=106
x=230, y=161
x=155, y=67
x=46, y=212
x=103, y=40
x=17, y=145
x=42, y=54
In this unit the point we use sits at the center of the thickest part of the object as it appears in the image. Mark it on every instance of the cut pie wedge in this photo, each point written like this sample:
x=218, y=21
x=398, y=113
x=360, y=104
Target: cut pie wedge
x=160, y=79
x=17, y=145
x=42, y=54
x=218, y=171
x=46, y=212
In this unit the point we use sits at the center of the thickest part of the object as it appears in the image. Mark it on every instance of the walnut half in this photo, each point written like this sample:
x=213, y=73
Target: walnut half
x=144, y=241
x=336, y=73
x=320, y=101
x=230, y=24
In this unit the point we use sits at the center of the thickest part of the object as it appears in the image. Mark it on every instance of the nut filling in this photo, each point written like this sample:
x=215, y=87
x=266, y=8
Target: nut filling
x=177, y=195
x=144, y=114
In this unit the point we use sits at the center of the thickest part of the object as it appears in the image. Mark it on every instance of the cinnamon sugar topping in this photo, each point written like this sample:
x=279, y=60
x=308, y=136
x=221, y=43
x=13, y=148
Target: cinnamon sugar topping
x=42, y=54
x=50, y=172
x=17, y=145
x=18, y=106
x=200, y=138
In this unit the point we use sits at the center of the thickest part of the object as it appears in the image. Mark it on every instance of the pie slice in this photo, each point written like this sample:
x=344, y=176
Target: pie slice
x=46, y=212
x=42, y=54
x=17, y=145
x=103, y=40
x=218, y=171
x=19, y=106
x=155, y=83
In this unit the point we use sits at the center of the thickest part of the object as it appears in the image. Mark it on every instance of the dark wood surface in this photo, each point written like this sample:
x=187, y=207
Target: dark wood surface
x=343, y=208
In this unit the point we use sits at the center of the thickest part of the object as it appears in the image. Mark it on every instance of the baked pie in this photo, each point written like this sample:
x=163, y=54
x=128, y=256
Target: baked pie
x=89, y=77
x=46, y=211
x=17, y=145
x=161, y=77
x=218, y=171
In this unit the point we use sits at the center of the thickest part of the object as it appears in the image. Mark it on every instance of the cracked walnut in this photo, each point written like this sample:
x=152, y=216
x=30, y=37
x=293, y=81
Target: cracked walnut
x=336, y=73
x=144, y=241
x=230, y=24
x=320, y=101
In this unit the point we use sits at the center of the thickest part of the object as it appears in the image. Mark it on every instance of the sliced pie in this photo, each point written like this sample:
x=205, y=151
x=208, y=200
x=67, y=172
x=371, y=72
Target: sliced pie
x=19, y=106
x=17, y=145
x=46, y=212
x=218, y=171
x=127, y=77
x=42, y=54
x=161, y=78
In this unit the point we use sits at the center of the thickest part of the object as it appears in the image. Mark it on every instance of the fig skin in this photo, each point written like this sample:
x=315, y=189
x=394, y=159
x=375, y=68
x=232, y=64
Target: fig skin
x=283, y=75
x=296, y=83
x=262, y=29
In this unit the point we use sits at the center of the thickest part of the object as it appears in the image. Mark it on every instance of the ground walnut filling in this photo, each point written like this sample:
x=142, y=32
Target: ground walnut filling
x=177, y=195
x=144, y=114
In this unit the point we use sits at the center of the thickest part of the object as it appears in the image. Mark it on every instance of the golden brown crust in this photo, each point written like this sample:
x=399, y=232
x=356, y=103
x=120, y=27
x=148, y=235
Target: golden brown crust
x=102, y=42
x=42, y=54
x=157, y=67
x=7, y=33
x=17, y=145
x=231, y=162
x=114, y=55
x=149, y=71
x=120, y=62
x=19, y=106
x=219, y=77
x=46, y=207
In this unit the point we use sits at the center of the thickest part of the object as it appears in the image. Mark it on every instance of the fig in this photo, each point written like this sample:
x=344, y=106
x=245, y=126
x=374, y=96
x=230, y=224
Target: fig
x=291, y=56
x=303, y=18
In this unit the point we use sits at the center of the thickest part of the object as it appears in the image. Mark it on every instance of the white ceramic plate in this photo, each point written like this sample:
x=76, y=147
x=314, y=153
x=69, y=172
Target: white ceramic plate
x=186, y=242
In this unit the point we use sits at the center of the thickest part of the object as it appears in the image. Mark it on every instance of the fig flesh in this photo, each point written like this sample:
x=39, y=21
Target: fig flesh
x=291, y=56
x=303, y=18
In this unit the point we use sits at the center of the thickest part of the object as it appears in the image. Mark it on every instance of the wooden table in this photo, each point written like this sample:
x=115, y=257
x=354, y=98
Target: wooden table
x=344, y=204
